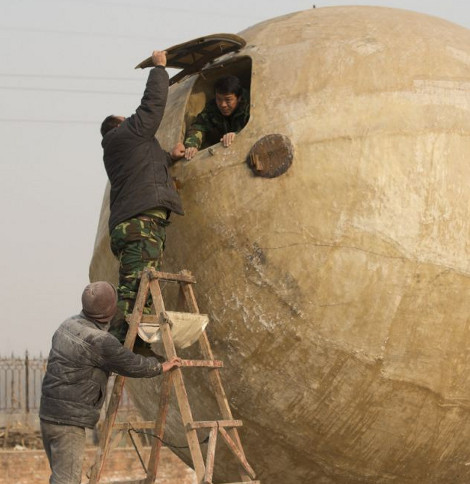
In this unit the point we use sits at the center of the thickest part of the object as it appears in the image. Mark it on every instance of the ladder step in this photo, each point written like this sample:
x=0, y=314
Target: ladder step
x=155, y=319
x=167, y=276
x=204, y=424
x=134, y=425
x=203, y=363
x=150, y=319
x=245, y=482
x=141, y=481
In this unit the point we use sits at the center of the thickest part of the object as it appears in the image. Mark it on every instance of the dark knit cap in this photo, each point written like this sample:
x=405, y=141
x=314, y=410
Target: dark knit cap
x=99, y=301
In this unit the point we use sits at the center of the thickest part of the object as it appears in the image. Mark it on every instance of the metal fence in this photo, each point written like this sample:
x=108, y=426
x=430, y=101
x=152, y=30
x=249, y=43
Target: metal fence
x=20, y=385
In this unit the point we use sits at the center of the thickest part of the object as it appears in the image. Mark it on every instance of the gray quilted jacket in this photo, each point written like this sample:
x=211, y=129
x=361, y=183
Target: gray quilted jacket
x=82, y=356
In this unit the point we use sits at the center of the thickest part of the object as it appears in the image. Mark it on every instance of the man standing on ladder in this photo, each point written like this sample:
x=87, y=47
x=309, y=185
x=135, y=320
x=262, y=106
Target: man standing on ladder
x=142, y=192
x=74, y=387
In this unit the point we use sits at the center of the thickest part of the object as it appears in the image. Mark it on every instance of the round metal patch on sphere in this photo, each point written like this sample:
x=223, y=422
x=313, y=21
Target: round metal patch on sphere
x=271, y=156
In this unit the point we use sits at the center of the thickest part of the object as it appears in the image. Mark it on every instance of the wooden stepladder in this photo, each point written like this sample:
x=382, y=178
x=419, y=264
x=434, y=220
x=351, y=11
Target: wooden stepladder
x=226, y=426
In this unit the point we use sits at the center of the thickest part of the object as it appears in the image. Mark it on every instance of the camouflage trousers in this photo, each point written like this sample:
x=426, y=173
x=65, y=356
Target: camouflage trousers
x=137, y=243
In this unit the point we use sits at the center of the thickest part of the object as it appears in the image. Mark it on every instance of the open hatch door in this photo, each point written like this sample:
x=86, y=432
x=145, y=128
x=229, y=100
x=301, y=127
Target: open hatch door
x=192, y=56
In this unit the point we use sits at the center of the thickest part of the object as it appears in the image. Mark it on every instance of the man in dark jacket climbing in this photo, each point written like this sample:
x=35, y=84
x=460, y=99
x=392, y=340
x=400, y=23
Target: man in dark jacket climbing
x=142, y=191
x=83, y=355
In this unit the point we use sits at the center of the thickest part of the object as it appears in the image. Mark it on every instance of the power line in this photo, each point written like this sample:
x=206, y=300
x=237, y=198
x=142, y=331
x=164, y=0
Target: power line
x=78, y=91
x=78, y=32
x=47, y=121
x=115, y=35
x=159, y=8
x=65, y=76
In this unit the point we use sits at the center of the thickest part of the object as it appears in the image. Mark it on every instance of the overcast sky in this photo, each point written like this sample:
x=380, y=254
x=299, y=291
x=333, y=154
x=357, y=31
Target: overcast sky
x=66, y=64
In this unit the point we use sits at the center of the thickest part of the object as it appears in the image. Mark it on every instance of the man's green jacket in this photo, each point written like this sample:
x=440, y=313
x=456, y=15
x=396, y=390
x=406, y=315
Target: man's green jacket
x=210, y=124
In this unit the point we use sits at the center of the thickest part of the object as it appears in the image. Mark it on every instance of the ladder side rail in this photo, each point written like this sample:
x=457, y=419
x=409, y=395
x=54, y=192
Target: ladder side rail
x=210, y=457
x=185, y=409
x=181, y=304
x=154, y=457
x=236, y=451
x=113, y=405
x=106, y=431
x=214, y=375
x=138, y=310
x=180, y=388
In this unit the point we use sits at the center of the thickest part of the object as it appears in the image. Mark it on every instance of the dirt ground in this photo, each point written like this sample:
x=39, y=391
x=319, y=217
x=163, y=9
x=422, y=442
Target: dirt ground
x=26, y=466
x=23, y=460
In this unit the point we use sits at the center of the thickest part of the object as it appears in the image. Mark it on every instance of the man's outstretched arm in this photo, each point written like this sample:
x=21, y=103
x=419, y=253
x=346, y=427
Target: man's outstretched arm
x=149, y=114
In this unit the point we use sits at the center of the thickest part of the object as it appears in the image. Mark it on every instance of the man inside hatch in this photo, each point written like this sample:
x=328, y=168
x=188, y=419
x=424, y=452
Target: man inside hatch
x=221, y=119
x=142, y=192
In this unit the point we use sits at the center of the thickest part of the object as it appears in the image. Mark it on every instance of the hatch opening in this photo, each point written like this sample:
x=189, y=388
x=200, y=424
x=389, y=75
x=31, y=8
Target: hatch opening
x=203, y=91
